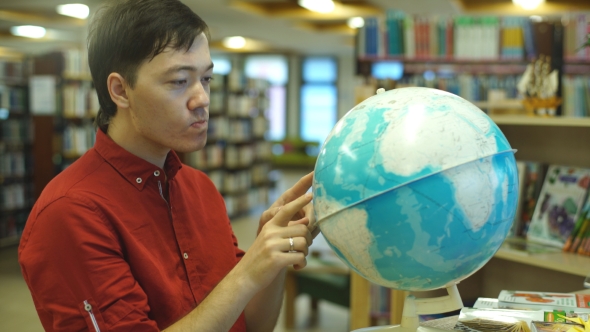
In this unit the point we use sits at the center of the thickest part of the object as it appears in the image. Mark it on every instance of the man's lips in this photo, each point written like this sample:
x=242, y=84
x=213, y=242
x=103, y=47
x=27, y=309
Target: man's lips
x=199, y=123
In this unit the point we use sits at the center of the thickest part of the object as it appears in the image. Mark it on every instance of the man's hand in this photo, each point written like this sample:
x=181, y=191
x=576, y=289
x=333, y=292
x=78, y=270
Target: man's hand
x=279, y=244
x=304, y=214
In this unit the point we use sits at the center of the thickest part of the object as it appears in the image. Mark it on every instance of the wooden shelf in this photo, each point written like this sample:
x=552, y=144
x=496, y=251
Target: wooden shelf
x=565, y=262
x=524, y=120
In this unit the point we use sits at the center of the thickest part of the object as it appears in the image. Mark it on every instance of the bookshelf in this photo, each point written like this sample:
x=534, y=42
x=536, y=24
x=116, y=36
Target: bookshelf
x=66, y=134
x=16, y=177
x=458, y=59
x=477, y=57
x=237, y=156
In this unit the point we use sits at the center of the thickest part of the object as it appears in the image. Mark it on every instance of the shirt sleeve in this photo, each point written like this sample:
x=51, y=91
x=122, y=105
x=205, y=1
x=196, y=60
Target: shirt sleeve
x=77, y=273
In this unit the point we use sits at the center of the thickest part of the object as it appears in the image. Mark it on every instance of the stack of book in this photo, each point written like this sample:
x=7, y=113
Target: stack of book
x=526, y=311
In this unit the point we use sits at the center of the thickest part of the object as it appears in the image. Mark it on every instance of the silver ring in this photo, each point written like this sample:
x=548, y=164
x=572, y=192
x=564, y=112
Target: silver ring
x=292, y=244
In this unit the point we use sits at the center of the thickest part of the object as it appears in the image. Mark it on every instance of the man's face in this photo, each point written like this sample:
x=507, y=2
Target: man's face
x=169, y=105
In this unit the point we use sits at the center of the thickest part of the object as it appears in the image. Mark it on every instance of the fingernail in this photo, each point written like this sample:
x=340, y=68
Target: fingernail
x=309, y=195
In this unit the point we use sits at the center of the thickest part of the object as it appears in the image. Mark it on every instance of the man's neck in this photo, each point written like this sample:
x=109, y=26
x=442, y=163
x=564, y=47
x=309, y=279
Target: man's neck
x=136, y=144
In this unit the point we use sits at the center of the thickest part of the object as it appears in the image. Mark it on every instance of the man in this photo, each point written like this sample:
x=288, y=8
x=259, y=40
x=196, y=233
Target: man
x=127, y=238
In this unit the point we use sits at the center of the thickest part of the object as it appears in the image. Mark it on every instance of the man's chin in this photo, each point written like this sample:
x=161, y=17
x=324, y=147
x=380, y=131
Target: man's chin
x=192, y=147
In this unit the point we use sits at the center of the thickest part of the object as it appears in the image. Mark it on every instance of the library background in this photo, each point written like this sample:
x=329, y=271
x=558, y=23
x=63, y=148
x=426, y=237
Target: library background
x=285, y=72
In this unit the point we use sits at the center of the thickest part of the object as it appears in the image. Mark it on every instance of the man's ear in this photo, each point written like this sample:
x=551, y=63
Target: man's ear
x=118, y=90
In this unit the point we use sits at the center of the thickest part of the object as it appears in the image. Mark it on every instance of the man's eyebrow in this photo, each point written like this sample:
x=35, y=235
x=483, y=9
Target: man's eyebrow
x=175, y=69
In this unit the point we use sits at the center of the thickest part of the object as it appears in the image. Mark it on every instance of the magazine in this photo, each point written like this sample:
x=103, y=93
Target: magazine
x=528, y=300
x=559, y=205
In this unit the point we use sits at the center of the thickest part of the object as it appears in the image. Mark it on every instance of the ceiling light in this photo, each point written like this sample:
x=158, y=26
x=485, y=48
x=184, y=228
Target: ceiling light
x=356, y=22
x=320, y=6
x=235, y=42
x=29, y=31
x=76, y=10
x=528, y=4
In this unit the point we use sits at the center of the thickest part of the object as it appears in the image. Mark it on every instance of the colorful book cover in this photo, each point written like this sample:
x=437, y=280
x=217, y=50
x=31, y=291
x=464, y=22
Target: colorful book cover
x=559, y=205
x=534, y=177
x=409, y=38
x=552, y=327
x=573, y=241
x=517, y=223
x=528, y=300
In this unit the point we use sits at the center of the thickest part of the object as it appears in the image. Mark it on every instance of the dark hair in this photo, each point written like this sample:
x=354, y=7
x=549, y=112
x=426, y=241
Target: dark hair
x=123, y=34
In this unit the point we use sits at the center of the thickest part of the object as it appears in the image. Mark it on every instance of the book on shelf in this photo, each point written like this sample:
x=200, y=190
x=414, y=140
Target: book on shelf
x=517, y=222
x=579, y=233
x=534, y=177
x=559, y=204
x=545, y=301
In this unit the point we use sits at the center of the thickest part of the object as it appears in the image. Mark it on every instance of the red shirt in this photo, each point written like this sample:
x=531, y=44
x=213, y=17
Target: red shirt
x=103, y=247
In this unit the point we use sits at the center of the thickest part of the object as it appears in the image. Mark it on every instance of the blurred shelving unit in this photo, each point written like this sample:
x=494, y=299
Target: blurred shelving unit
x=237, y=156
x=16, y=158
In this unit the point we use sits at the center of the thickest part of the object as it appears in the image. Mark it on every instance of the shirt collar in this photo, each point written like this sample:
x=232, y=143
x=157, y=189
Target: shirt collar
x=133, y=168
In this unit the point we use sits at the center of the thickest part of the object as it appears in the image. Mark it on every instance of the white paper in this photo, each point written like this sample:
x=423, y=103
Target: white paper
x=42, y=94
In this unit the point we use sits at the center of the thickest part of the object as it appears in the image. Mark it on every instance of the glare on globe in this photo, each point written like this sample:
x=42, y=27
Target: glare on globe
x=415, y=189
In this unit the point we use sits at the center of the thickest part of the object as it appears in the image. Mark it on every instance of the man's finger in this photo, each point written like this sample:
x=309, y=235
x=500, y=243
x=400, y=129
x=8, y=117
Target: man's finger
x=296, y=190
x=286, y=213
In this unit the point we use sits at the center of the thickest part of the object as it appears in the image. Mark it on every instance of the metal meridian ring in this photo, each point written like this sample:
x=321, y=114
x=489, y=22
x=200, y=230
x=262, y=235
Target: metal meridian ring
x=292, y=244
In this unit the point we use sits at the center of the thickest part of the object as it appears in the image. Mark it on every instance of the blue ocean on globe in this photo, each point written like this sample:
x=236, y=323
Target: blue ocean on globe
x=415, y=189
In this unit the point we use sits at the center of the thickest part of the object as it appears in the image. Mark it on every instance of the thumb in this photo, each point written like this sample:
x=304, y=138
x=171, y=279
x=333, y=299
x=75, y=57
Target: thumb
x=286, y=213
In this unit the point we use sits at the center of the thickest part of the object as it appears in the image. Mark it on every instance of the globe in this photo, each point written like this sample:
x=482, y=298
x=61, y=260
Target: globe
x=415, y=189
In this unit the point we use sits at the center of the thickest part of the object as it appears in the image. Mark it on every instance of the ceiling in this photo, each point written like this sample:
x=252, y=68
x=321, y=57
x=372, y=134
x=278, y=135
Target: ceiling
x=277, y=25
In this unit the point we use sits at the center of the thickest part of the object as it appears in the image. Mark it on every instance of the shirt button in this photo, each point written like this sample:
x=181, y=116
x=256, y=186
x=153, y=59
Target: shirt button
x=185, y=255
x=138, y=180
x=157, y=173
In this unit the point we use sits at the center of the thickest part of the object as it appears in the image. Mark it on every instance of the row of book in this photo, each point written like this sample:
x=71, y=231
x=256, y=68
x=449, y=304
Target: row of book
x=10, y=70
x=75, y=62
x=79, y=101
x=468, y=86
x=526, y=311
x=13, y=98
x=244, y=202
x=77, y=139
x=232, y=183
x=13, y=196
x=232, y=130
x=247, y=104
x=229, y=156
x=16, y=131
x=480, y=37
x=12, y=164
x=576, y=96
x=576, y=89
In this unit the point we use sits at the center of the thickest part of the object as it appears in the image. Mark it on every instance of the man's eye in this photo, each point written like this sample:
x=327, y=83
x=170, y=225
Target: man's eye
x=179, y=82
x=207, y=79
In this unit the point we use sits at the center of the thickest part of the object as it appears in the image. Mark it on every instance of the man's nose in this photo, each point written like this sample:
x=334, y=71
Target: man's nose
x=199, y=97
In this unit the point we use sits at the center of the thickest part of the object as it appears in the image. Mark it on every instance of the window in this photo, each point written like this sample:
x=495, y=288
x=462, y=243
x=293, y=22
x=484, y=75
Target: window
x=273, y=68
x=393, y=70
x=319, y=98
x=222, y=65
